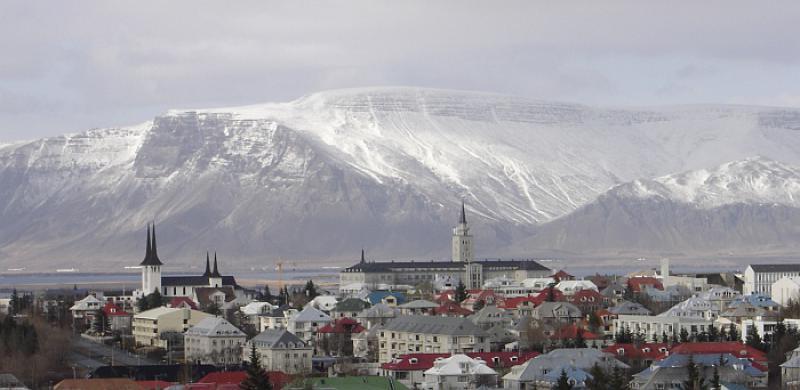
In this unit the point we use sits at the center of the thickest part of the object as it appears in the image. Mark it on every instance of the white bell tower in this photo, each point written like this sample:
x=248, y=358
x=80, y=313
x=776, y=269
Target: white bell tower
x=462, y=240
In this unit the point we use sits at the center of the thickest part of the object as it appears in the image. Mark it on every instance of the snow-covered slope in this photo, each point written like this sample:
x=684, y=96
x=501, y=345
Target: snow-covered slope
x=322, y=176
x=742, y=207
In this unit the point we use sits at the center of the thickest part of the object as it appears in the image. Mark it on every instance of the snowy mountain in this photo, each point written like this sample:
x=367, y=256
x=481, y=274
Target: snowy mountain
x=743, y=207
x=322, y=176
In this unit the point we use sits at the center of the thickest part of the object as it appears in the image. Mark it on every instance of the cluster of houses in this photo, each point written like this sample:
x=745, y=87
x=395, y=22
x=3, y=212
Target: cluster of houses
x=466, y=324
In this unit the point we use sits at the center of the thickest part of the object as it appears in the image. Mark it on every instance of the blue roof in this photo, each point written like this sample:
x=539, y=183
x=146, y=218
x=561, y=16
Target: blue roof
x=757, y=299
x=376, y=297
x=680, y=360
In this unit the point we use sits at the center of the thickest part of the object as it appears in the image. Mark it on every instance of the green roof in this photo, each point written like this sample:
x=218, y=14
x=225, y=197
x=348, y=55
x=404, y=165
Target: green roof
x=357, y=383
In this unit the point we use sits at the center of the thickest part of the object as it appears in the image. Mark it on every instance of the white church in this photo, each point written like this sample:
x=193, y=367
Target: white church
x=198, y=288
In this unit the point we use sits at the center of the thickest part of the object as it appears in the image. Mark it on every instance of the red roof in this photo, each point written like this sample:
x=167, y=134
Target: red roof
x=424, y=361
x=342, y=325
x=571, y=332
x=177, y=301
x=638, y=283
x=542, y=295
x=513, y=303
x=734, y=348
x=451, y=308
x=153, y=385
x=226, y=379
x=586, y=296
x=646, y=351
x=562, y=275
x=112, y=309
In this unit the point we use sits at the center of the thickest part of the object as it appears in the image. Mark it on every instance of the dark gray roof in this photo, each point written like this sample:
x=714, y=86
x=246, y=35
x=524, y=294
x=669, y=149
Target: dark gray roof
x=776, y=267
x=451, y=326
x=351, y=304
x=277, y=339
x=529, y=265
x=169, y=281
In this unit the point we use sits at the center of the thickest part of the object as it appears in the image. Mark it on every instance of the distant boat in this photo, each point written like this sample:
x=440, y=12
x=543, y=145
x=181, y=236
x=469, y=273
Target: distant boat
x=16, y=269
x=66, y=270
x=641, y=259
x=133, y=267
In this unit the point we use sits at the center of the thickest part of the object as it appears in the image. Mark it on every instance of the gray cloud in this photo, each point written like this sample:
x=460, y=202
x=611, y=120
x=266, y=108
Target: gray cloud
x=67, y=66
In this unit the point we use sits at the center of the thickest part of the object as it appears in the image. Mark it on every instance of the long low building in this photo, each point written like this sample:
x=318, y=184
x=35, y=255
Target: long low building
x=463, y=267
x=656, y=326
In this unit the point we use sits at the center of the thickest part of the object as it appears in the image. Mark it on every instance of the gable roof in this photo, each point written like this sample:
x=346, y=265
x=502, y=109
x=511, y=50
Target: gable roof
x=352, y=305
x=424, y=361
x=311, y=314
x=182, y=301
x=378, y=296
x=277, y=339
x=214, y=326
x=790, y=267
x=203, y=294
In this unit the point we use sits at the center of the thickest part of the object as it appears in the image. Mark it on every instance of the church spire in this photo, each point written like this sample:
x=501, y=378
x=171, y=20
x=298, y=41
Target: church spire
x=208, y=266
x=463, y=217
x=363, y=260
x=151, y=255
x=216, y=270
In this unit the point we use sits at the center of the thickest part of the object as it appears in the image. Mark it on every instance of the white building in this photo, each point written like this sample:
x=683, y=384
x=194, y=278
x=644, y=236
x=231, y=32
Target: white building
x=758, y=278
x=785, y=289
x=570, y=287
x=653, y=327
x=148, y=326
x=459, y=372
x=280, y=350
x=305, y=324
x=765, y=327
x=214, y=341
x=542, y=371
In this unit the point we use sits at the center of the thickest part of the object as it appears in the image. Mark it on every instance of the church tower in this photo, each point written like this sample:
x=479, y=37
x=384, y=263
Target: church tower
x=462, y=240
x=215, y=279
x=151, y=265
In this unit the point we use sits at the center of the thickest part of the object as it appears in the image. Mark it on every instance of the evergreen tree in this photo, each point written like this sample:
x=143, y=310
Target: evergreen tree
x=598, y=380
x=257, y=377
x=101, y=324
x=461, y=292
x=213, y=309
x=563, y=382
x=580, y=342
x=617, y=381
x=664, y=337
x=753, y=339
x=267, y=297
x=778, y=333
x=733, y=333
x=14, y=304
x=154, y=300
x=310, y=290
x=694, y=381
x=595, y=322
x=715, y=380
x=684, y=335
x=713, y=333
x=551, y=292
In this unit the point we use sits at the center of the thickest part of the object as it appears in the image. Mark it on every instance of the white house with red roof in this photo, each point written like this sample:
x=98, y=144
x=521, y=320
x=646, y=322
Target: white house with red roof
x=409, y=369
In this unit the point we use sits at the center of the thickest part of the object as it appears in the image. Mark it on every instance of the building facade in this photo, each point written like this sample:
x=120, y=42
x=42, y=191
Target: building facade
x=150, y=325
x=430, y=334
x=758, y=278
x=214, y=341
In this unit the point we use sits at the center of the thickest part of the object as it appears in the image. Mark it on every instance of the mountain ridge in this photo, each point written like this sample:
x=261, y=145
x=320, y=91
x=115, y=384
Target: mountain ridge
x=326, y=174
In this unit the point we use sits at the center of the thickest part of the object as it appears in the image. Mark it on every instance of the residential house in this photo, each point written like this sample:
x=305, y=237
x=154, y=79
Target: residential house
x=556, y=312
x=786, y=289
x=541, y=371
x=409, y=369
x=459, y=372
x=349, y=307
x=119, y=319
x=430, y=334
x=491, y=316
x=652, y=328
x=304, y=324
x=570, y=287
x=280, y=350
x=214, y=341
x=671, y=372
x=417, y=307
x=629, y=308
x=376, y=315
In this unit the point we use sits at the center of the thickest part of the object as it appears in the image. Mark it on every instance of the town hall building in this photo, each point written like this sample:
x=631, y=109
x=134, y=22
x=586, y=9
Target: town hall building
x=462, y=266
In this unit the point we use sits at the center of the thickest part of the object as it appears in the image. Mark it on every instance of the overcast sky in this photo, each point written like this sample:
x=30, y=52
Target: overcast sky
x=72, y=65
